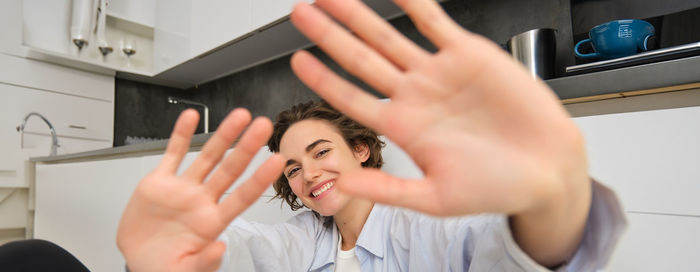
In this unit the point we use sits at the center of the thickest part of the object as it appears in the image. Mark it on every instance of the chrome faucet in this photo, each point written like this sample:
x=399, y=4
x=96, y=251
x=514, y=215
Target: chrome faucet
x=54, y=138
x=175, y=100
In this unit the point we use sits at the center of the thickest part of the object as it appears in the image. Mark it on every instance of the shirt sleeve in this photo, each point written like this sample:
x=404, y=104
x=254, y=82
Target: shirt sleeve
x=252, y=246
x=604, y=225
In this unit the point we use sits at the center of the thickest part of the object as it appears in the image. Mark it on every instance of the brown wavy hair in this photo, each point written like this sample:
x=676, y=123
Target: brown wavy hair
x=353, y=132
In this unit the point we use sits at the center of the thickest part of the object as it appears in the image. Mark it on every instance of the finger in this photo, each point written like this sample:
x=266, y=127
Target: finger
x=381, y=187
x=376, y=32
x=432, y=21
x=216, y=146
x=236, y=162
x=246, y=194
x=210, y=257
x=179, y=142
x=346, y=49
x=340, y=93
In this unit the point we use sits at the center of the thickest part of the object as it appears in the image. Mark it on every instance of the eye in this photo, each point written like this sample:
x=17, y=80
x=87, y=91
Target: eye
x=293, y=171
x=321, y=153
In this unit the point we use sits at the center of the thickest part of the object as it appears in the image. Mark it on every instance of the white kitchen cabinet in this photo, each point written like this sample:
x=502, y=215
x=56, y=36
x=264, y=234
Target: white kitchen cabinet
x=13, y=208
x=174, y=39
x=650, y=158
x=655, y=242
x=78, y=206
x=44, y=76
x=224, y=39
x=46, y=24
x=217, y=22
x=171, y=34
x=71, y=116
x=11, y=27
x=268, y=11
x=79, y=104
x=139, y=11
x=80, y=123
x=46, y=35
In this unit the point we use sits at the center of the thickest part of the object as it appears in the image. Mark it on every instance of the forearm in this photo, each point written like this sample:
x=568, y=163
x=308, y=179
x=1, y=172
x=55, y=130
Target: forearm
x=551, y=231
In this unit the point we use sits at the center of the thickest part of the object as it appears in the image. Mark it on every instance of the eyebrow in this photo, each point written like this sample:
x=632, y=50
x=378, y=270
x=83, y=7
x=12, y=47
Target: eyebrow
x=308, y=149
x=315, y=143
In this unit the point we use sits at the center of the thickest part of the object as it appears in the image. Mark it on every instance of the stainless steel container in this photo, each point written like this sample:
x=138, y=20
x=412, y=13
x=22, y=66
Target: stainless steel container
x=536, y=49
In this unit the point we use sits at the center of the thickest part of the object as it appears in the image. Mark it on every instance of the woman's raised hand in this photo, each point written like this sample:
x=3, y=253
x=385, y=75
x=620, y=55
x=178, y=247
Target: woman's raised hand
x=172, y=221
x=488, y=137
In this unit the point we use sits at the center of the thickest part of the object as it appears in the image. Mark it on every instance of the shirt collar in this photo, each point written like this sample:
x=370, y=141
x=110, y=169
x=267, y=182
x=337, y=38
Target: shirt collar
x=372, y=235
x=326, y=246
x=371, y=239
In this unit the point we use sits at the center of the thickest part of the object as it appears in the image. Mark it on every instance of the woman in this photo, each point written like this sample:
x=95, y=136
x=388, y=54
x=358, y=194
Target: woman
x=488, y=138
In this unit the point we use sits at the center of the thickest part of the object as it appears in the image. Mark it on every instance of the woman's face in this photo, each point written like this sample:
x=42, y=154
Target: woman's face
x=318, y=155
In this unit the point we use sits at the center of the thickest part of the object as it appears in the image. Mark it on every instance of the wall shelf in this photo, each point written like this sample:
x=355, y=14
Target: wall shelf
x=641, y=77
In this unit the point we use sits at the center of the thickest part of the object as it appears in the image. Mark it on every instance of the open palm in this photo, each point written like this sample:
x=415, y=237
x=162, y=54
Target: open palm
x=488, y=136
x=172, y=221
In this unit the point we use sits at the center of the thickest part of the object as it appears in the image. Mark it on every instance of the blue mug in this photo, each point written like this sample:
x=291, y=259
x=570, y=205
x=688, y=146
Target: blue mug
x=617, y=39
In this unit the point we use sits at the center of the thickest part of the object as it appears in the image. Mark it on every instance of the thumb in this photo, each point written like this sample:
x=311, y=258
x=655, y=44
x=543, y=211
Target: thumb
x=376, y=185
x=210, y=257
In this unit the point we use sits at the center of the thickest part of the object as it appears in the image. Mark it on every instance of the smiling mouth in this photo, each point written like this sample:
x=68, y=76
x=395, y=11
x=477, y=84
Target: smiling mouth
x=323, y=188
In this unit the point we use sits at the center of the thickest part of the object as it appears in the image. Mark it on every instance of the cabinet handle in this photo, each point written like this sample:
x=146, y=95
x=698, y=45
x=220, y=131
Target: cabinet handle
x=77, y=127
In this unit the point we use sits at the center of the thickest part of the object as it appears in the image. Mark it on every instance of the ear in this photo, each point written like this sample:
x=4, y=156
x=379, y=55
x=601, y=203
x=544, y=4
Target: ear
x=361, y=152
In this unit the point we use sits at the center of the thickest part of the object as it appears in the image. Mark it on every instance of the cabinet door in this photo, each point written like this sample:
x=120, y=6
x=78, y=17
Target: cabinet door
x=215, y=23
x=70, y=115
x=47, y=24
x=11, y=27
x=140, y=11
x=39, y=75
x=655, y=242
x=171, y=34
x=649, y=158
x=267, y=11
x=78, y=206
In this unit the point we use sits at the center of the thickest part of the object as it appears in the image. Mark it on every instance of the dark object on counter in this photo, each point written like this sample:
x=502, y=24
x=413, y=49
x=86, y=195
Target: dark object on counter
x=37, y=255
x=536, y=49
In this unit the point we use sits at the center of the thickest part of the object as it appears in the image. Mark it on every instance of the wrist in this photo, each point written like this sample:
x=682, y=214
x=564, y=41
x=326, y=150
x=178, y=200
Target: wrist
x=551, y=230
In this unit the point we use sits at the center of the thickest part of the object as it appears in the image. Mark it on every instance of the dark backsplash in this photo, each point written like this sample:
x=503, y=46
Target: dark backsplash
x=142, y=109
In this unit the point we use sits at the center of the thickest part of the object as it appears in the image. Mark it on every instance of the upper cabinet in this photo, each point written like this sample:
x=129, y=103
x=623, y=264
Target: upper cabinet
x=178, y=43
x=140, y=11
x=101, y=36
x=224, y=39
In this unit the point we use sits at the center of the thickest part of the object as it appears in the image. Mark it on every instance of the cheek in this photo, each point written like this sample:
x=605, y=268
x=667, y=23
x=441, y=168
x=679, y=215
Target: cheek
x=295, y=184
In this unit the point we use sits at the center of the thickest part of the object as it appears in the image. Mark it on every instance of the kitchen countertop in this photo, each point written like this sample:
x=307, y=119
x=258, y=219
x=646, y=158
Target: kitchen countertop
x=148, y=148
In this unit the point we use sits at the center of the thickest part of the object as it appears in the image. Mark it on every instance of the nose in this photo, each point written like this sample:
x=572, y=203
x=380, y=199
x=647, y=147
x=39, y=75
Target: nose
x=311, y=172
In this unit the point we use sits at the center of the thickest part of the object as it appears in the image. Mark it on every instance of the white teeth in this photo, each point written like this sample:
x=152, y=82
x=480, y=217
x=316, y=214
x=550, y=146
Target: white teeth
x=322, y=189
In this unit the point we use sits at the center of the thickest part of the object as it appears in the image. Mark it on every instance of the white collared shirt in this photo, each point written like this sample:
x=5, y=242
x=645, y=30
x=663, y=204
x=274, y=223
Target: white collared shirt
x=395, y=239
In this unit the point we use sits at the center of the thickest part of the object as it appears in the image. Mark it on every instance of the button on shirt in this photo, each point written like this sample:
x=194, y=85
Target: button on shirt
x=396, y=239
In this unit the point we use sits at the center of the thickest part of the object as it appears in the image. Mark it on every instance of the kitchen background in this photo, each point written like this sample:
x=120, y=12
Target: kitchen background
x=640, y=122
x=142, y=109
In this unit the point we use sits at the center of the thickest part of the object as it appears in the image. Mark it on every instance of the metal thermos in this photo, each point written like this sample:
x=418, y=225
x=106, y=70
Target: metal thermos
x=536, y=49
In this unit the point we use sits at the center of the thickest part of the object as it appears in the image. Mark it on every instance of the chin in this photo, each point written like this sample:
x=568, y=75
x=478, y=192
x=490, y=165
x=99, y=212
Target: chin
x=326, y=211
